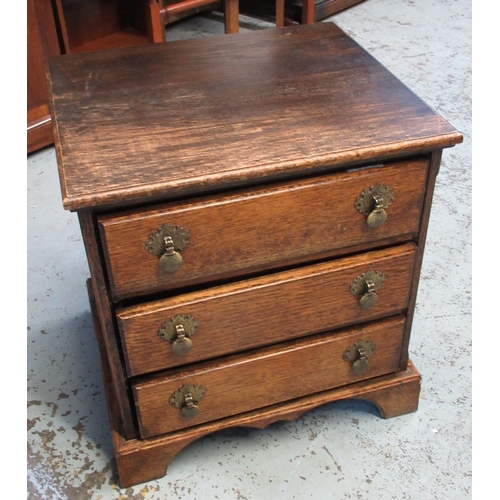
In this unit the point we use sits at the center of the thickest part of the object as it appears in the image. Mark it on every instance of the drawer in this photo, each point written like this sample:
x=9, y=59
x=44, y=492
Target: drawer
x=263, y=311
x=220, y=237
x=271, y=375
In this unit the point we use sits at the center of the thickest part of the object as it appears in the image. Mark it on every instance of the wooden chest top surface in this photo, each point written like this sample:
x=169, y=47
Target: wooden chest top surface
x=159, y=121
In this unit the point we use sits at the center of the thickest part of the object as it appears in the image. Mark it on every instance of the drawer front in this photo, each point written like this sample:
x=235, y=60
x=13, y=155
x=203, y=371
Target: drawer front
x=263, y=311
x=271, y=375
x=226, y=236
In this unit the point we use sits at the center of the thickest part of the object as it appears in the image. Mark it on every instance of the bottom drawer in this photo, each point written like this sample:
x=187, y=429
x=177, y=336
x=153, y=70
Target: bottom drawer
x=240, y=383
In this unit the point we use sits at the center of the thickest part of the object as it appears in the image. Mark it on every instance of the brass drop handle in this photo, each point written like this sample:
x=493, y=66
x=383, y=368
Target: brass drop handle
x=167, y=243
x=369, y=298
x=361, y=364
x=378, y=215
x=366, y=286
x=189, y=409
x=178, y=330
x=171, y=260
x=182, y=344
x=373, y=203
x=358, y=355
x=186, y=399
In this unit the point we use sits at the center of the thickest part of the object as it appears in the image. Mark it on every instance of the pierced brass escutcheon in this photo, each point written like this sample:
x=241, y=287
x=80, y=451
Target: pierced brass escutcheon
x=178, y=330
x=167, y=243
x=366, y=286
x=357, y=355
x=373, y=202
x=187, y=398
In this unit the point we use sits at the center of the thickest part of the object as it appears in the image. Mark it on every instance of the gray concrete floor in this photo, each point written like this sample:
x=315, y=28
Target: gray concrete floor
x=338, y=451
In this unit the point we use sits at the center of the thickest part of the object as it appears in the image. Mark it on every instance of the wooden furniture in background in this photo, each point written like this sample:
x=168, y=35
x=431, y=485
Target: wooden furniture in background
x=255, y=251
x=159, y=14
x=42, y=42
x=297, y=11
x=69, y=26
x=100, y=24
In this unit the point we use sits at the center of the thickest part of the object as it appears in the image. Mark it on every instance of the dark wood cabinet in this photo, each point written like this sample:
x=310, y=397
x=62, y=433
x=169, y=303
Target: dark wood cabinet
x=254, y=214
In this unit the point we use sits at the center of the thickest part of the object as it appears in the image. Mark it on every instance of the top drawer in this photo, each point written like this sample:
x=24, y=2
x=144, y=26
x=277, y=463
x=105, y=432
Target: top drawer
x=223, y=236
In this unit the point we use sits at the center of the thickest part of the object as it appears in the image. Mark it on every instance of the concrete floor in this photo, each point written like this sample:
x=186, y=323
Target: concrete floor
x=338, y=451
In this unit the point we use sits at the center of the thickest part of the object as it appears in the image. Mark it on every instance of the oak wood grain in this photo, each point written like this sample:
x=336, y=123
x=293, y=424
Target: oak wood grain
x=260, y=228
x=164, y=120
x=266, y=310
x=245, y=382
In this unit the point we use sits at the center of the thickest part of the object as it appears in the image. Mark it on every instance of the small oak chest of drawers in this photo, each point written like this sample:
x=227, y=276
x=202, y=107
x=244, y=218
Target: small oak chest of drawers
x=254, y=211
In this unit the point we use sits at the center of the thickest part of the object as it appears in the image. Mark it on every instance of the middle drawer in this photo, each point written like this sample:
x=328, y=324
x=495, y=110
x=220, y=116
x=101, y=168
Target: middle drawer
x=262, y=311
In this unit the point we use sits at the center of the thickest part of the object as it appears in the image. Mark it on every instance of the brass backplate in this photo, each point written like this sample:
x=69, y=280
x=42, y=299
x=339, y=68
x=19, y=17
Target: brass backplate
x=359, y=287
x=178, y=398
x=168, y=331
x=352, y=353
x=156, y=241
x=365, y=202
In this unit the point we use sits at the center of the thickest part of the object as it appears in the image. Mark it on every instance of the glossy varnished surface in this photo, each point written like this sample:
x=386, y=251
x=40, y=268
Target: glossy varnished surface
x=168, y=119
